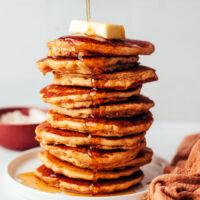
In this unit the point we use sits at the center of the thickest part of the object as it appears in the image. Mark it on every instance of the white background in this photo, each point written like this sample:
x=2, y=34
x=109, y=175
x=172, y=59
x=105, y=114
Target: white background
x=172, y=25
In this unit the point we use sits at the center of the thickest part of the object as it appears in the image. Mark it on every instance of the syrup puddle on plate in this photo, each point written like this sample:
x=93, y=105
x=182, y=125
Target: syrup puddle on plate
x=30, y=180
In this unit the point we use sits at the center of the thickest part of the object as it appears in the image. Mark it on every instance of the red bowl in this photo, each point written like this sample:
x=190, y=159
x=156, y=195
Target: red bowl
x=17, y=137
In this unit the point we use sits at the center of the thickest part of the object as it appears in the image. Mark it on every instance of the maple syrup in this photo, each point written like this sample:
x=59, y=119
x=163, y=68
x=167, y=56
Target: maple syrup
x=30, y=180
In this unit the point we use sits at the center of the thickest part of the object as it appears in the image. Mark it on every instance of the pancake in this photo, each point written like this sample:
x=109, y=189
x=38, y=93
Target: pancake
x=46, y=134
x=86, y=157
x=144, y=157
x=133, y=106
x=81, y=46
x=121, y=80
x=95, y=65
x=71, y=171
x=87, y=187
x=102, y=127
x=79, y=97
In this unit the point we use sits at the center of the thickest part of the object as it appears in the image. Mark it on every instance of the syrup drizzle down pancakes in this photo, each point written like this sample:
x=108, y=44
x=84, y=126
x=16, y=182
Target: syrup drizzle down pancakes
x=93, y=141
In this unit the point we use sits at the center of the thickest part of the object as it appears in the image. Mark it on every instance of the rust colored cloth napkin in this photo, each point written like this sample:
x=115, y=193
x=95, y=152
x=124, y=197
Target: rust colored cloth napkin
x=183, y=179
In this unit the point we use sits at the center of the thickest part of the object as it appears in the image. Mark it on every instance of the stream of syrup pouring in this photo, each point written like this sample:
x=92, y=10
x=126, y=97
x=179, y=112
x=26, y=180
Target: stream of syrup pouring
x=88, y=14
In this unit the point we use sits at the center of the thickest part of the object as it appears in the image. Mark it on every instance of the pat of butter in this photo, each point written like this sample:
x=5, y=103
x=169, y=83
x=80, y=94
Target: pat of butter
x=108, y=31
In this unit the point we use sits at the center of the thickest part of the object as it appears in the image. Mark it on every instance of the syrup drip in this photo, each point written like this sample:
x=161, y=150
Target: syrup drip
x=93, y=154
x=93, y=91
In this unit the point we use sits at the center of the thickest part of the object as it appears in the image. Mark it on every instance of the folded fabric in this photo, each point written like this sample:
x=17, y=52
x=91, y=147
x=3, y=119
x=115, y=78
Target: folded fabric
x=182, y=153
x=183, y=182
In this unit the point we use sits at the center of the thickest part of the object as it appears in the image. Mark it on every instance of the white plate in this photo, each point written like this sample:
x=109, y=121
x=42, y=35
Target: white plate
x=28, y=161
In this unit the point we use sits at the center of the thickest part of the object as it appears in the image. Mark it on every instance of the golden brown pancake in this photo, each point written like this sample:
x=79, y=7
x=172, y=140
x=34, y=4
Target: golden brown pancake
x=86, y=157
x=121, y=80
x=80, y=46
x=71, y=171
x=46, y=134
x=133, y=106
x=79, y=97
x=102, y=127
x=144, y=157
x=94, y=65
x=87, y=187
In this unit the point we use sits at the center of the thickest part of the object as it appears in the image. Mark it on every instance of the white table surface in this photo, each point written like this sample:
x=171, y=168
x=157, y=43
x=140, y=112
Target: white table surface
x=163, y=137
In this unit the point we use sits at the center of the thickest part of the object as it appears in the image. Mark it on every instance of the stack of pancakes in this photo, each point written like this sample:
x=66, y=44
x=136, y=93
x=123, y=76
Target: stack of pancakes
x=94, y=139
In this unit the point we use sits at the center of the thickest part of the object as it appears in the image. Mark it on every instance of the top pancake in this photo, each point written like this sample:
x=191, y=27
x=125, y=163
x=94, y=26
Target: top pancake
x=88, y=66
x=81, y=46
